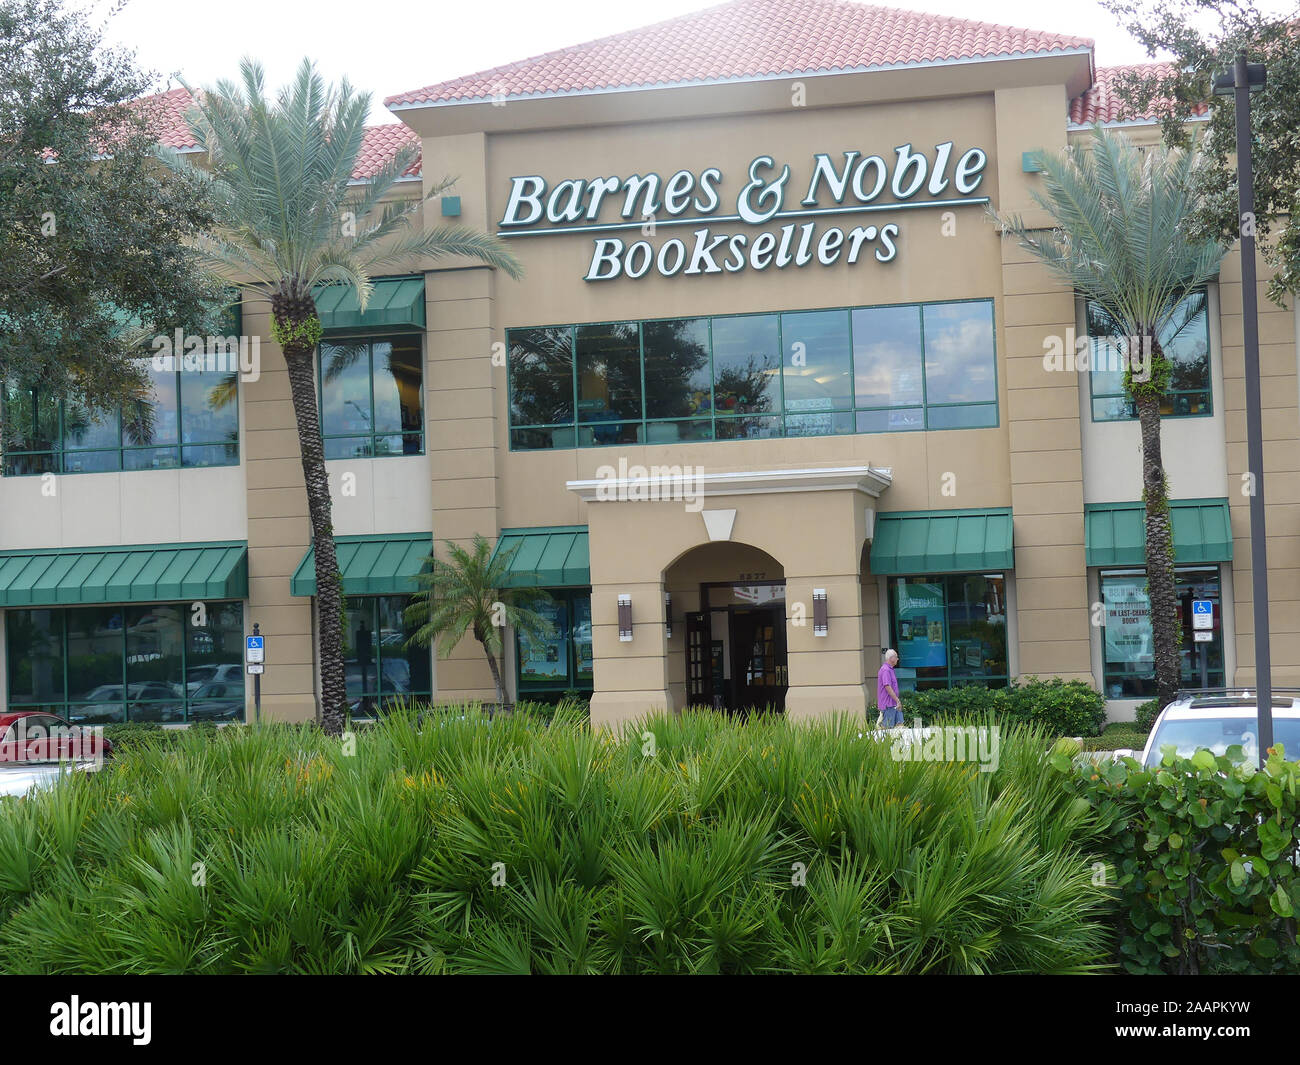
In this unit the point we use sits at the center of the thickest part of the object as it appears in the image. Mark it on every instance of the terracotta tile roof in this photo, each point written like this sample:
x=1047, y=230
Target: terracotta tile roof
x=1102, y=103
x=166, y=111
x=748, y=39
x=381, y=143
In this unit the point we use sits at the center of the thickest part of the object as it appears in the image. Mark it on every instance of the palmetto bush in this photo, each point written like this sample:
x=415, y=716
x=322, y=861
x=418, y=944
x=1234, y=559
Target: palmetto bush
x=448, y=842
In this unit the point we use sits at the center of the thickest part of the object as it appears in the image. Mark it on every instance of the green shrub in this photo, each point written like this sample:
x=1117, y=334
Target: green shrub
x=457, y=843
x=1146, y=714
x=1202, y=853
x=1116, y=736
x=1060, y=707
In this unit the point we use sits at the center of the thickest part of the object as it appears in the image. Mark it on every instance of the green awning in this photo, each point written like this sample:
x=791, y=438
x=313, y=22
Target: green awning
x=371, y=565
x=395, y=303
x=942, y=541
x=548, y=557
x=1115, y=535
x=150, y=573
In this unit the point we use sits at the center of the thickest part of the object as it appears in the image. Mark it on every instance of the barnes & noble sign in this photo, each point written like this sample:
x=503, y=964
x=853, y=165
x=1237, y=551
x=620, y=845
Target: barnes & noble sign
x=797, y=232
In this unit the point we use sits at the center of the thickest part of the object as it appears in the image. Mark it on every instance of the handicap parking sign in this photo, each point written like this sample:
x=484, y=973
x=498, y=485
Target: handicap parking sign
x=1202, y=614
x=253, y=649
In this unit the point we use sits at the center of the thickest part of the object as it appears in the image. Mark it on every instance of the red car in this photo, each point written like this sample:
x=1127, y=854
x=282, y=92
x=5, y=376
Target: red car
x=37, y=736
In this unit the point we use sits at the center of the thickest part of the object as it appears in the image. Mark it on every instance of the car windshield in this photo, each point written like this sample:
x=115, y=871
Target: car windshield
x=1218, y=734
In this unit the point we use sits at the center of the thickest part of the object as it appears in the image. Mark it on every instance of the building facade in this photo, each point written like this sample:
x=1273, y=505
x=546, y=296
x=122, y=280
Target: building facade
x=774, y=393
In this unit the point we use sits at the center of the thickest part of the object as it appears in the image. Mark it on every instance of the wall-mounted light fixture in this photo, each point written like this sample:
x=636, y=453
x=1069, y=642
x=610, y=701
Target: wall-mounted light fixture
x=821, y=626
x=625, y=618
x=668, y=615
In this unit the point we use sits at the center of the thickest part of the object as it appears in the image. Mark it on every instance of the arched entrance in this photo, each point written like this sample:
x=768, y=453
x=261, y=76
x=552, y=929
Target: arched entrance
x=735, y=655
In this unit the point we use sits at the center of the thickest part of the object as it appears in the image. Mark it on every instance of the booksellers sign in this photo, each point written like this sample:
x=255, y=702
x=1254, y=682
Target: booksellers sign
x=700, y=239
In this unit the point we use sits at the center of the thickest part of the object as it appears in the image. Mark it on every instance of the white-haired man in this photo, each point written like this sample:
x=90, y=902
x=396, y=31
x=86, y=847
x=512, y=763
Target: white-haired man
x=891, y=706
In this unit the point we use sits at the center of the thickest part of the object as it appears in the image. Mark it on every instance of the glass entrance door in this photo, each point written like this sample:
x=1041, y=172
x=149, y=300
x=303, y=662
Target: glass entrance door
x=760, y=674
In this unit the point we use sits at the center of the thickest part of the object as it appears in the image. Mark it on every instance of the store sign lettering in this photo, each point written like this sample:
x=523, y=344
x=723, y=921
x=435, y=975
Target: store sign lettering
x=797, y=232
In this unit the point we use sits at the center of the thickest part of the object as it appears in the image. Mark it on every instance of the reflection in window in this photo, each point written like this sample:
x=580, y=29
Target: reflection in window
x=143, y=662
x=678, y=376
x=949, y=629
x=608, y=359
x=378, y=666
x=1186, y=343
x=372, y=397
x=541, y=376
x=755, y=376
x=747, y=364
x=190, y=418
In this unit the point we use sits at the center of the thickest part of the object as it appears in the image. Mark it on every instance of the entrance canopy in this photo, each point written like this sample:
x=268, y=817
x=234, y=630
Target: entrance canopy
x=1114, y=533
x=942, y=541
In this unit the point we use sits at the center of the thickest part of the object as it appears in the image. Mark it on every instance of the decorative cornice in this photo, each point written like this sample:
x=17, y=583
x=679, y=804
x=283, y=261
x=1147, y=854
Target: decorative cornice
x=673, y=483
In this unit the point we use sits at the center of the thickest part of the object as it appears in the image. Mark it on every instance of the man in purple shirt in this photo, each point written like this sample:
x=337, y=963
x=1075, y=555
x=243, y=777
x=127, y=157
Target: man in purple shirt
x=891, y=706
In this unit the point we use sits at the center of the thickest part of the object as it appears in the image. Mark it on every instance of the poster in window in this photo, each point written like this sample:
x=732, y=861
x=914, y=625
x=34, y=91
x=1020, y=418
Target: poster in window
x=919, y=613
x=546, y=659
x=1128, y=621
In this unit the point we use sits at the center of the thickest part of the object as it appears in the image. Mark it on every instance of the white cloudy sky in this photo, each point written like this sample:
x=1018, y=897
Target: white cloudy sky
x=386, y=48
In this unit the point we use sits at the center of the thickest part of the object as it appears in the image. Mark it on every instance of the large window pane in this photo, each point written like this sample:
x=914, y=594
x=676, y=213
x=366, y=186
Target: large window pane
x=609, y=381
x=31, y=420
x=154, y=647
x=541, y=377
x=817, y=362
x=405, y=670
x=584, y=660
x=747, y=365
x=887, y=358
x=959, y=356
x=975, y=416
x=34, y=656
x=95, y=638
x=1129, y=662
x=156, y=421
x=1186, y=343
x=209, y=408
x=677, y=371
x=977, y=627
x=214, y=663
x=398, y=384
x=345, y=389
x=88, y=430
x=361, y=651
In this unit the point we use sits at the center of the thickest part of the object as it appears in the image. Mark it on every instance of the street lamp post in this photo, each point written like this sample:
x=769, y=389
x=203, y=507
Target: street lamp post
x=1245, y=79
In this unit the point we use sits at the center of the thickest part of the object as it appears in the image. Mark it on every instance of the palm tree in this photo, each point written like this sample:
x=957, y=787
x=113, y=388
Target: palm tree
x=289, y=220
x=1121, y=240
x=468, y=593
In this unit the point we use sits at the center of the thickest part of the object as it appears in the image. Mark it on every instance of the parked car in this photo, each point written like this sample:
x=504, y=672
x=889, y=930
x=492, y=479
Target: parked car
x=38, y=736
x=154, y=700
x=218, y=702
x=224, y=673
x=1218, y=718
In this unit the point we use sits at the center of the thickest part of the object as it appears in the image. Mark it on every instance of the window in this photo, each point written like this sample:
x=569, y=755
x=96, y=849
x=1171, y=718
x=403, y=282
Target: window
x=754, y=376
x=949, y=630
x=565, y=660
x=1128, y=659
x=101, y=665
x=372, y=401
x=1186, y=343
x=191, y=419
x=379, y=667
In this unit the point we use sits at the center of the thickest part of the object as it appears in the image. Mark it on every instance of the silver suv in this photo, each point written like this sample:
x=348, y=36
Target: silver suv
x=1218, y=718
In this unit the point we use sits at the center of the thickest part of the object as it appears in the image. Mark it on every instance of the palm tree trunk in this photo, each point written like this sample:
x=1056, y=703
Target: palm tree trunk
x=496, y=677
x=1165, y=635
x=300, y=361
